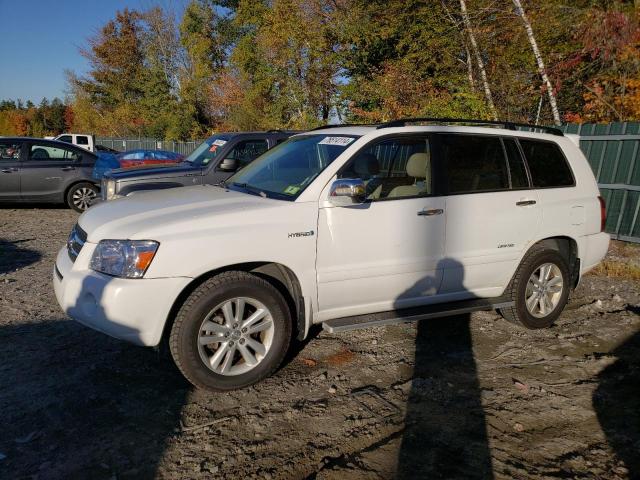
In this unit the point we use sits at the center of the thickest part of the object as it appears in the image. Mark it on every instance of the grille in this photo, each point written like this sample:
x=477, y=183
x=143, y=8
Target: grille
x=76, y=240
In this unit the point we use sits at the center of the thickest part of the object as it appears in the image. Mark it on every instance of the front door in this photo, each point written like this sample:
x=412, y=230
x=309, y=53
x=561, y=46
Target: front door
x=10, y=169
x=386, y=253
x=46, y=171
x=492, y=214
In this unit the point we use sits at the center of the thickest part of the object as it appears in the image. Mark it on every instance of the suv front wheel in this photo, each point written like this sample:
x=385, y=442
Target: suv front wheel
x=231, y=332
x=540, y=289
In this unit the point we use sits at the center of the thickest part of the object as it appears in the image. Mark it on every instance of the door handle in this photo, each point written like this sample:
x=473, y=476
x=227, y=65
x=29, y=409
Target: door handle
x=430, y=212
x=524, y=203
x=9, y=170
x=68, y=169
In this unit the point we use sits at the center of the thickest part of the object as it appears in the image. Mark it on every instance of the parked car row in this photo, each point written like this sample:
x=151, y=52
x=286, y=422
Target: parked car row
x=61, y=171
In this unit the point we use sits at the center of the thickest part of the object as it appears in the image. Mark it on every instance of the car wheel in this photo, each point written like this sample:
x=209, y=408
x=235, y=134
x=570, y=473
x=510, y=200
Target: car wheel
x=231, y=332
x=540, y=289
x=81, y=195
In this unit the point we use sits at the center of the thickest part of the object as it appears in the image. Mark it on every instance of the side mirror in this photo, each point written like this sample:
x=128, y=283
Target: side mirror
x=347, y=191
x=228, y=165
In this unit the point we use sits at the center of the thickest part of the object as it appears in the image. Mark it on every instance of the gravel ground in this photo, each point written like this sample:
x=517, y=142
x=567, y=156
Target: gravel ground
x=464, y=397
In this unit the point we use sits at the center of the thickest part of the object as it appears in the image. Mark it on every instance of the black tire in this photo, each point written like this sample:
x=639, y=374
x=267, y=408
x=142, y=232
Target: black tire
x=519, y=314
x=183, y=339
x=79, y=196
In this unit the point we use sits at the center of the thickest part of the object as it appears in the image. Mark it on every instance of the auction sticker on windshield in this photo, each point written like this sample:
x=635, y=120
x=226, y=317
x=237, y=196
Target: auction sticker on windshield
x=292, y=189
x=219, y=142
x=340, y=141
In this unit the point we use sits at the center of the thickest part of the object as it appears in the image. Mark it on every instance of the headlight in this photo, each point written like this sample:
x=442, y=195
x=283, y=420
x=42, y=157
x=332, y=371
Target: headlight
x=108, y=188
x=123, y=258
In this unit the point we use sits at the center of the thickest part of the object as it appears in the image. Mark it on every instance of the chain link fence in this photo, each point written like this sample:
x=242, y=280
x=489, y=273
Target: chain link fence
x=125, y=144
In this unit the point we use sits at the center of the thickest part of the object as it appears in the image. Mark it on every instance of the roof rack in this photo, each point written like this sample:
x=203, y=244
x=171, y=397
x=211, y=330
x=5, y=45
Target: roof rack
x=507, y=125
x=343, y=125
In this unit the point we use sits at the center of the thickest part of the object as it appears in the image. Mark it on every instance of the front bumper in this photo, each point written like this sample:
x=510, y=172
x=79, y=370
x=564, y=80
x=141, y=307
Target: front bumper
x=134, y=310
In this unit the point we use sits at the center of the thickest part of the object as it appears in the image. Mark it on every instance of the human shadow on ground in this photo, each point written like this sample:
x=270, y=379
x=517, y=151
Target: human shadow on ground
x=617, y=404
x=13, y=256
x=445, y=433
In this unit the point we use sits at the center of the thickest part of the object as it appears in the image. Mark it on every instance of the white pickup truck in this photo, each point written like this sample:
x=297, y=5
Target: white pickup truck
x=350, y=227
x=88, y=142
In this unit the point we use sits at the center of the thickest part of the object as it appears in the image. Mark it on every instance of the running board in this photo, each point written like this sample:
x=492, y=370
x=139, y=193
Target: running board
x=414, y=314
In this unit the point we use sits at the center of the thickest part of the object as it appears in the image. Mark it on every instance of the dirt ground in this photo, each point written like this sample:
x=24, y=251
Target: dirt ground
x=464, y=397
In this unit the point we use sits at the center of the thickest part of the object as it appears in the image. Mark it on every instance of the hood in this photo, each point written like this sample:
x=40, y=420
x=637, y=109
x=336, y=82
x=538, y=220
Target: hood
x=154, y=171
x=159, y=214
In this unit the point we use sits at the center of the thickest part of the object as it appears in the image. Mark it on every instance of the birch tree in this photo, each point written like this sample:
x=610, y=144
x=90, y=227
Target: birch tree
x=479, y=61
x=541, y=67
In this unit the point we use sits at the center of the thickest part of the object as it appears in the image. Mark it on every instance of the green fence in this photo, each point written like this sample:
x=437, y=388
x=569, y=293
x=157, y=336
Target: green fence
x=612, y=150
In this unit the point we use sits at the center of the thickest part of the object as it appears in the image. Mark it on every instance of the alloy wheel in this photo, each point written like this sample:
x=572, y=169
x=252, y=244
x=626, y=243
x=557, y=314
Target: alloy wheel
x=544, y=290
x=235, y=336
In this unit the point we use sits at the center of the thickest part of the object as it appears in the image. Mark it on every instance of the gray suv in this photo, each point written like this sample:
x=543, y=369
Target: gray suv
x=47, y=171
x=215, y=160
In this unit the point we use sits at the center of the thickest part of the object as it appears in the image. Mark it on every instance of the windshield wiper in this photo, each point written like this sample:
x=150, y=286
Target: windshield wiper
x=250, y=189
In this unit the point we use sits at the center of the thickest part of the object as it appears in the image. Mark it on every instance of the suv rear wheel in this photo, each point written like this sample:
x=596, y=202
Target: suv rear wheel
x=231, y=332
x=540, y=289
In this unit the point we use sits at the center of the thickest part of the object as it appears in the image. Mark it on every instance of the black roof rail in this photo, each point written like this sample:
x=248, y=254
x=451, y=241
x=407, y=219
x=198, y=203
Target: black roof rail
x=507, y=125
x=343, y=125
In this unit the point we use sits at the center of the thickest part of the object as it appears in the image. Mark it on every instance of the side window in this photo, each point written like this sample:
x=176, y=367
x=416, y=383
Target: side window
x=516, y=164
x=547, y=164
x=247, y=151
x=66, y=139
x=474, y=163
x=82, y=140
x=393, y=168
x=47, y=152
x=9, y=151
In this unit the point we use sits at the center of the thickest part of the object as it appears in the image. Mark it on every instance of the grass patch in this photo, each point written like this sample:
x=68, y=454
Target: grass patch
x=612, y=268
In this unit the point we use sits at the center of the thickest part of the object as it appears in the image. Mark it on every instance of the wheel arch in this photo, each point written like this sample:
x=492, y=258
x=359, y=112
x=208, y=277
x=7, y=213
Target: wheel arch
x=277, y=274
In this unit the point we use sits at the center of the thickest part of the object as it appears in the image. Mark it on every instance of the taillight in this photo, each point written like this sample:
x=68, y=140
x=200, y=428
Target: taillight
x=603, y=213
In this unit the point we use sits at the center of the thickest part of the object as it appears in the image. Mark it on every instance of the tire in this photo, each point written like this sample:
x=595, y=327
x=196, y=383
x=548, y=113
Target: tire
x=205, y=332
x=522, y=288
x=80, y=196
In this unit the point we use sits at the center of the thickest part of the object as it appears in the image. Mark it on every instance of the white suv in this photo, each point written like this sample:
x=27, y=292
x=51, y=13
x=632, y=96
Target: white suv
x=349, y=226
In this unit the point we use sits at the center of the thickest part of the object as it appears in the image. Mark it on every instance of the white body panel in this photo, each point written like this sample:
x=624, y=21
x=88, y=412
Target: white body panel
x=363, y=259
x=74, y=140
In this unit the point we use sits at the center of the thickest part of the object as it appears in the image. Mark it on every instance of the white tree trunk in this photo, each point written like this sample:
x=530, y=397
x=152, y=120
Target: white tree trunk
x=476, y=52
x=536, y=53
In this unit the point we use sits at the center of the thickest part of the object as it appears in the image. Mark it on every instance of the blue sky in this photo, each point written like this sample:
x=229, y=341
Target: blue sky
x=39, y=40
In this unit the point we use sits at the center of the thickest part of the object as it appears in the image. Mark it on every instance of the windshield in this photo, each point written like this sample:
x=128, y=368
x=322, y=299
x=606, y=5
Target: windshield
x=286, y=170
x=207, y=151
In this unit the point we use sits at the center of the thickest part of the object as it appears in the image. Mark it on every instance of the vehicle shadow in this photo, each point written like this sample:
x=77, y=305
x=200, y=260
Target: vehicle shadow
x=30, y=206
x=79, y=404
x=617, y=404
x=445, y=432
x=14, y=257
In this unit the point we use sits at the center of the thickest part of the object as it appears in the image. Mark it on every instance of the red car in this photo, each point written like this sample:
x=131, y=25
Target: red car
x=135, y=158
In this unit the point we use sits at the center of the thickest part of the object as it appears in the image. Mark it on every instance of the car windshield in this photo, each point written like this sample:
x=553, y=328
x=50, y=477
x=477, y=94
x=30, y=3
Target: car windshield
x=207, y=151
x=286, y=170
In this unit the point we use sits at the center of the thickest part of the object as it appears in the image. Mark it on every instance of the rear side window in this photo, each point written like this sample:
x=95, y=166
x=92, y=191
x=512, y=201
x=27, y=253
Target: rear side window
x=47, y=152
x=82, y=140
x=516, y=165
x=547, y=164
x=474, y=163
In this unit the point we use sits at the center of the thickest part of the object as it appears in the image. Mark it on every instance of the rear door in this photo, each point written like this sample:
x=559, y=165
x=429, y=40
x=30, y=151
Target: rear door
x=10, y=151
x=47, y=170
x=492, y=214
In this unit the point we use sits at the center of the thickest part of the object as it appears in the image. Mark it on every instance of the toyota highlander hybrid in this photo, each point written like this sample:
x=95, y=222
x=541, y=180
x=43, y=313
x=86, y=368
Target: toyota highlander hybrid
x=348, y=227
